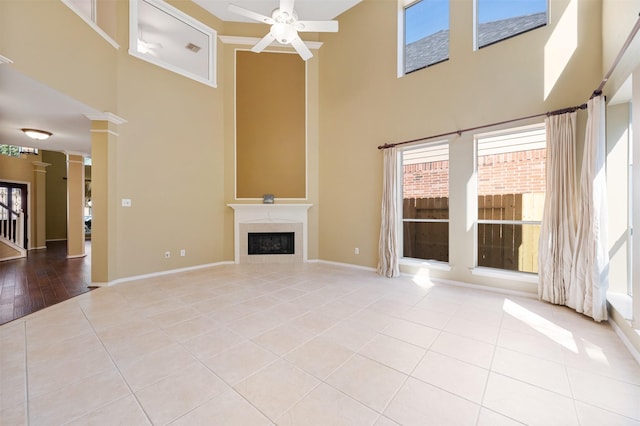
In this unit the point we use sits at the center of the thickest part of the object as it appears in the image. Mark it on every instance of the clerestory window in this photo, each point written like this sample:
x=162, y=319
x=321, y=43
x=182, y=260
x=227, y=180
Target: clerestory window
x=497, y=20
x=424, y=33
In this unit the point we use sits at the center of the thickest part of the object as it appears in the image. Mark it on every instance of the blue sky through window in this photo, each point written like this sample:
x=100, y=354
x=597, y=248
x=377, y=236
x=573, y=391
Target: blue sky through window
x=427, y=17
x=495, y=10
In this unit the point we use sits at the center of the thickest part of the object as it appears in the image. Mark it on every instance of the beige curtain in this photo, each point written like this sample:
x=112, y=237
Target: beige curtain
x=557, y=233
x=587, y=292
x=388, y=251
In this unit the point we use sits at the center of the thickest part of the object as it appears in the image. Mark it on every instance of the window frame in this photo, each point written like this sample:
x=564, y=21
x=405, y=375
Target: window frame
x=184, y=19
x=494, y=271
x=437, y=264
x=91, y=20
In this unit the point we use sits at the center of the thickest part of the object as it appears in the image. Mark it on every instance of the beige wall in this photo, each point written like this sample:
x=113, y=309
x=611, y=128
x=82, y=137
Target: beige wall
x=56, y=195
x=363, y=104
x=168, y=161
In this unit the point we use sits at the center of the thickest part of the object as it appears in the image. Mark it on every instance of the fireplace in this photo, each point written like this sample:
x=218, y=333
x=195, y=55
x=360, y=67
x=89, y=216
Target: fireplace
x=271, y=243
x=280, y=229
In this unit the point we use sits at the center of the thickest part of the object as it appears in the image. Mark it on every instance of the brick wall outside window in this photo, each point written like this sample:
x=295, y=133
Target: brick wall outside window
x=510, y=173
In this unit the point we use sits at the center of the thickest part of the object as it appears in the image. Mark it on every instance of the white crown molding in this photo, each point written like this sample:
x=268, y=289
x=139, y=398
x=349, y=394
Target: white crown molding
x=250, y=41
x=5, y=60
x=78, y=153
x=106, y=116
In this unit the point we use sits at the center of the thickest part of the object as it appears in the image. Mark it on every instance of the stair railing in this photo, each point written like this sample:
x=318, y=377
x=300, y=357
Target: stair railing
x=12, y=225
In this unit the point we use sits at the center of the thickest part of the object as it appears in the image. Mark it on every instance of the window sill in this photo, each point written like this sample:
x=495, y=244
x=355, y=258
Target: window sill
x=505, y=275
x=429, y=264
x=622, y=303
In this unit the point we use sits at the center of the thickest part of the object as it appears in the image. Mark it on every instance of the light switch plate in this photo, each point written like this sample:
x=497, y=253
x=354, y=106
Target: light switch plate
x=126, y=202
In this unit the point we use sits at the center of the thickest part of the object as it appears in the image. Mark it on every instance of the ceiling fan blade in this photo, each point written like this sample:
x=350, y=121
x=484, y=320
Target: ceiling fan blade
x=317, y=26
x=301, y=48
x=250, y=14
x=262, y=44
x=286, y=6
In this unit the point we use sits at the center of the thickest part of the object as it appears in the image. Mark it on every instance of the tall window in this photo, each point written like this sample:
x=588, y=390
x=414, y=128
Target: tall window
x=425, y=202
x=511, y=190
x=426, y=34
x=497, y=20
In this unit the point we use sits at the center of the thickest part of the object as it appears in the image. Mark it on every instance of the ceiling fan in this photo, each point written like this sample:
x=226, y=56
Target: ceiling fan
x=285, y=27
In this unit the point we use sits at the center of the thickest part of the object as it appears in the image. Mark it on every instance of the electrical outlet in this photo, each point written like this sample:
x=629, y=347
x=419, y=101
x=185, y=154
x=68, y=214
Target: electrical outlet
x=356, y=250
x=126, y=202
x=183, y=252
x=167, y=254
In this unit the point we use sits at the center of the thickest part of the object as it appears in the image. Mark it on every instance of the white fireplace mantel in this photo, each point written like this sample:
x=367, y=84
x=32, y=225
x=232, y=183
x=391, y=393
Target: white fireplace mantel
x=268, y=214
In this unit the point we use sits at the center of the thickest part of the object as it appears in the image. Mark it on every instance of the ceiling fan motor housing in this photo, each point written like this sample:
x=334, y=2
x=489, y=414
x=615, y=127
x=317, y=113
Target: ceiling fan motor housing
x=283, y=29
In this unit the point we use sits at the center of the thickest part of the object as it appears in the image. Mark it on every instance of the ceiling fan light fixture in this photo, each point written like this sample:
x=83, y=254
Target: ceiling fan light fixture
x=37, y=134
x=283, y=33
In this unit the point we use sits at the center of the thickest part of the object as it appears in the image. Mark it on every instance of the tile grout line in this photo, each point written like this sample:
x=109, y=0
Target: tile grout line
x=26, y=375
x=116, y=367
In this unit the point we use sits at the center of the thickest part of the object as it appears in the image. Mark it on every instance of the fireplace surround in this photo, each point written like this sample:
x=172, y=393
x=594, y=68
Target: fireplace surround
x=270, y=218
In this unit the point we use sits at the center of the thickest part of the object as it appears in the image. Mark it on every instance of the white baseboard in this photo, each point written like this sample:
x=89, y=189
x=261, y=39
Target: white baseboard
x=160, y=273
x=344, y=265
x=632, y=349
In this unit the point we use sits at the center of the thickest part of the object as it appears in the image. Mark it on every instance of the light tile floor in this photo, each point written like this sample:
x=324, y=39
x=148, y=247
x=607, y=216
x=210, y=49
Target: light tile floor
x=311, y=344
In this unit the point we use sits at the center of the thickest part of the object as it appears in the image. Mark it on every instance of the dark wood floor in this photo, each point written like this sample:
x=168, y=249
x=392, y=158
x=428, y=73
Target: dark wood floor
x=43, y=278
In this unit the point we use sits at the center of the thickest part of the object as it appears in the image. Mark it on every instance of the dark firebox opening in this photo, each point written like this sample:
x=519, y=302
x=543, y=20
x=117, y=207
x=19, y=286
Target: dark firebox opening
x=271, y=243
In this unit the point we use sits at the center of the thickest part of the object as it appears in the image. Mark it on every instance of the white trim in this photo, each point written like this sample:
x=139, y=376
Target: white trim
x=92, y=24
x=250, y=41
x=106, y=116
x=630, y=347
x=183, y=18
x=159, y=274
x=78, y=153
x=111, y=132
x=38, y=248
x=12, y=258
x=483, y=287
x=429, y=264
x=343, y=265
x=56, y=239
x=622, y=303
x=400, y=44
x=76, y=256
x=5, y=60
x=504, y=274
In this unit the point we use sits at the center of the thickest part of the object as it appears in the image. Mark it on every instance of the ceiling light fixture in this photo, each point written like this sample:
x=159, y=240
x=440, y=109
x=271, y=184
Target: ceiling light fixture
x=37, y=134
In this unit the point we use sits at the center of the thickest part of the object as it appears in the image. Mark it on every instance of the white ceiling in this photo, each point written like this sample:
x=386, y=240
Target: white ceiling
x=309, y=10
x=26, y=103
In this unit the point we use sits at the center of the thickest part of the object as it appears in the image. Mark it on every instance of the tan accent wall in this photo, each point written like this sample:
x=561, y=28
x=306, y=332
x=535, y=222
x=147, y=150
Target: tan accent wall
x=364, y=104
x=56, y=197
x=270, y=125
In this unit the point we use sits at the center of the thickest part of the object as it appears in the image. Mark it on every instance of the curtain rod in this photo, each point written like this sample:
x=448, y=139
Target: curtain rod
x=470, y=129
x=624, y=48
x=596, y=92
